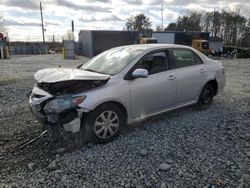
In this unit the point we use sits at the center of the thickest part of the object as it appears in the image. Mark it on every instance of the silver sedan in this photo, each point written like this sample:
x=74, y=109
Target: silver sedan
x=124, y=85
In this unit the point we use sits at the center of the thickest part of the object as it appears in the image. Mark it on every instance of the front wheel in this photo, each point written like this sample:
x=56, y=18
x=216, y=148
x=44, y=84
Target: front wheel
x=206, y=97
x=104, y=123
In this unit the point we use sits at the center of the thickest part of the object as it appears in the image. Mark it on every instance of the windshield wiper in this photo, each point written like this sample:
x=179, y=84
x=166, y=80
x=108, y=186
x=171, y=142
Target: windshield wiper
x=90, y=70
x=79, y=66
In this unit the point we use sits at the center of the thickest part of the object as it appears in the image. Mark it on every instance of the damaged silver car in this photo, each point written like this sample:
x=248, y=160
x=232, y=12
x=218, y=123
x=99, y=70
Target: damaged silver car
x=123, y=85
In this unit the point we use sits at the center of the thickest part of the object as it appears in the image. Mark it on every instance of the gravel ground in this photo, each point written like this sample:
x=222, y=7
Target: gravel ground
x=183, y=148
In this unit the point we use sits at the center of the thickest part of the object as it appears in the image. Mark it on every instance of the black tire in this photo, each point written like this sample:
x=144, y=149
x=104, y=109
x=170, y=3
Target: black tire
x=93, y=118
x=206, y=97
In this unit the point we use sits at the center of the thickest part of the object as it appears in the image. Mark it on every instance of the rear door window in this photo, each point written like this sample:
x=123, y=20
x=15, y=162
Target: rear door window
x=198, y=59
x=185, y=58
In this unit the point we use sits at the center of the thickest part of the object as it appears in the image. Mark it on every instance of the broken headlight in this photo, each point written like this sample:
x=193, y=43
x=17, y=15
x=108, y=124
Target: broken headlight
x=61, y=104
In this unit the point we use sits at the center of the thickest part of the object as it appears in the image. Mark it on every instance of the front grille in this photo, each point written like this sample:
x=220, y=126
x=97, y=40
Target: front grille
x=70, y=86
x=43, y=86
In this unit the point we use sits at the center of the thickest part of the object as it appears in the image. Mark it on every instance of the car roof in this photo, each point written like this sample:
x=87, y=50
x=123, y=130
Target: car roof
x=146, y=47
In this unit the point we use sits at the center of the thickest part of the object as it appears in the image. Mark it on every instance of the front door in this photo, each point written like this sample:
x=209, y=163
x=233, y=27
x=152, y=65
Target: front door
x=157, y=91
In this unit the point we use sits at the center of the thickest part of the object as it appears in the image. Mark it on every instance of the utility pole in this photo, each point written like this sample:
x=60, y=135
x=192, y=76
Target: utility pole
x=73, y=29
x=162, y=17
x=41, y=12
x=53, y=41
x=213, y=30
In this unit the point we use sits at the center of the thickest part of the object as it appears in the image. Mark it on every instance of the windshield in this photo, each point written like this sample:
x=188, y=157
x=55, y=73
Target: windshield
x=112, y=61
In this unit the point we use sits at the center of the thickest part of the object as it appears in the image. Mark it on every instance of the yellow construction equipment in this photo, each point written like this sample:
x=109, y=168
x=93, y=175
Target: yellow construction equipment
x=202, y=46
x=147, y=40
x=146, y=37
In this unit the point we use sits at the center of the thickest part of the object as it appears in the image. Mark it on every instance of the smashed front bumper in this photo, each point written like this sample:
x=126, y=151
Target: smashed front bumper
x=70, y=119
x=39, y=116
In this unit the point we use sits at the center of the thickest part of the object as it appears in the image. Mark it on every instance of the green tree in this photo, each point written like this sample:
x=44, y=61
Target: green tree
x=189, y=23
x=139, y=22
x=171, y=27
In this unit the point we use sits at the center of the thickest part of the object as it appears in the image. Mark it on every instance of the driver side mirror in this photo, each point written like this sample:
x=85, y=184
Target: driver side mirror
x=140, y=73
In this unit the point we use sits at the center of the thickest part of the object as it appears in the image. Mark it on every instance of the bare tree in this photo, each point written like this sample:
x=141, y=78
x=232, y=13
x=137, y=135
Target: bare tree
x=158, y=28
x=212, y=21
x=229, y=25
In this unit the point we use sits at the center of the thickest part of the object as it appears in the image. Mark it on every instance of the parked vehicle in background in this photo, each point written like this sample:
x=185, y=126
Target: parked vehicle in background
x=4, y=48
x=202, y=46
x=146, y=37
x=124, y=85
x=232, y=54
x=196, y=39
x=147, y=40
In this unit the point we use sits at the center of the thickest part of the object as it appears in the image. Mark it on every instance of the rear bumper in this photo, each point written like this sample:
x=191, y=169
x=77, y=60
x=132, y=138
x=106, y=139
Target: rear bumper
x=221, y=79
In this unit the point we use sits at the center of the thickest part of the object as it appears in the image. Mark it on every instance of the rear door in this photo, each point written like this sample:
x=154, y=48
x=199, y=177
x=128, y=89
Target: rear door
x=157, y=91
x=191, y=74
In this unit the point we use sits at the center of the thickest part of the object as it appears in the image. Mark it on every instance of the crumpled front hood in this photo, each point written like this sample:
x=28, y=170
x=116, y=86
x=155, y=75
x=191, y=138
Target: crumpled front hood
x=52, y=75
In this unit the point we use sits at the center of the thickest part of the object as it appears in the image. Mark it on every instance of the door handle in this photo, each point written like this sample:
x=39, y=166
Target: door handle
x=171, y=77
x=202, y=70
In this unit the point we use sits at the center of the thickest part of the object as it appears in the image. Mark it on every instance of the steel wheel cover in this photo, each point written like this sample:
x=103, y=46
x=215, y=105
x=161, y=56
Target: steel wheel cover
x=106, y=124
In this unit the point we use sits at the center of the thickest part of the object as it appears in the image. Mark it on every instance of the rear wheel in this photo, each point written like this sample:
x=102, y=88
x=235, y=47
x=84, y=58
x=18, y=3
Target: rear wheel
x=104, y=123
x=206, y=97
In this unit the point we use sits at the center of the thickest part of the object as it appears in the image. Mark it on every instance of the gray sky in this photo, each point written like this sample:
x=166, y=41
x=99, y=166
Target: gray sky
x=22, y=17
